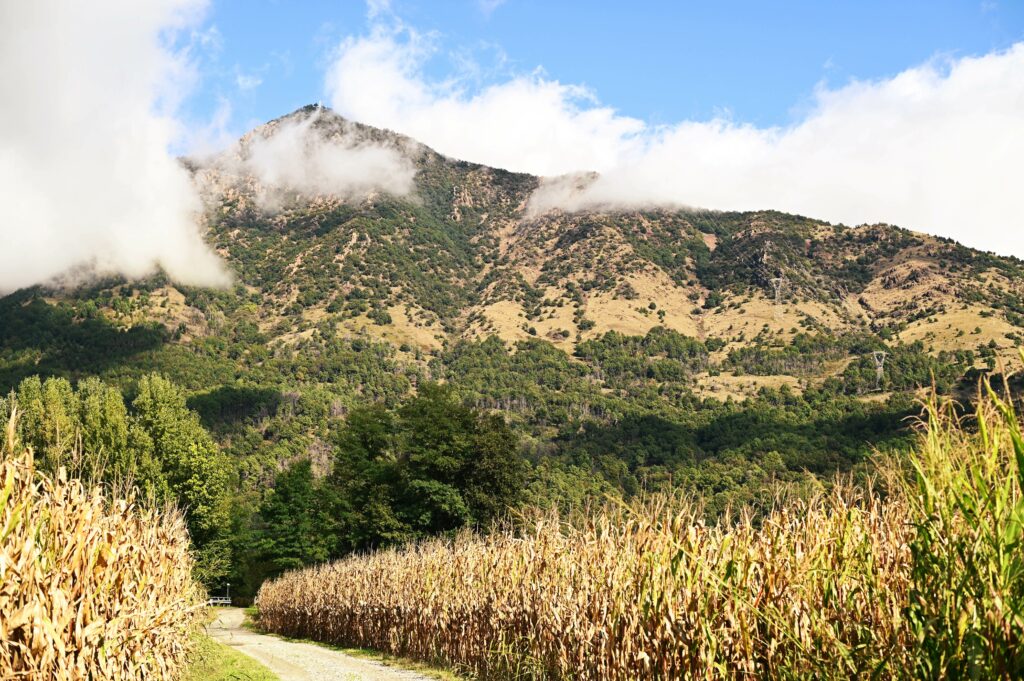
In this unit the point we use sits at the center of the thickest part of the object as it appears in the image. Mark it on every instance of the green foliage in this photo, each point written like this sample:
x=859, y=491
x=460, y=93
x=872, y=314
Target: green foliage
x=805, y=355
x=662, y=354
x=907, y=367
x=192, y=465
x=87, y=430
x=298, y=529
x=430, y=466
x=63, y=339
x=966, y=601
x=159, y=447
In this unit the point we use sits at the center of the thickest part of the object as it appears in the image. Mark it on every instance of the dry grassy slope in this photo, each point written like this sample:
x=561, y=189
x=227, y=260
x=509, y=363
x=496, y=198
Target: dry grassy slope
x=562, y=251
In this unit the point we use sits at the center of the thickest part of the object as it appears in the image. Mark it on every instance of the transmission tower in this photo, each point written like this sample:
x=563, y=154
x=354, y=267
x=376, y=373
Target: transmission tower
x=779, y=286
x=879, y=357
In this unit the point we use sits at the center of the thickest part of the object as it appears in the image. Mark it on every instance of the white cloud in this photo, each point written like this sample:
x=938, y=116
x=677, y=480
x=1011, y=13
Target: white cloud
x=214, y=135
x=935, y=148
x=376, y=8
x=246, y=81
x=85, y=176
x=319, y=154
x=528, y=123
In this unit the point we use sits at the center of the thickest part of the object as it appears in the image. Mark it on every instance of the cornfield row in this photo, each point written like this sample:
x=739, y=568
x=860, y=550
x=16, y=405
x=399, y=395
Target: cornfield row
x=845, y=585
x=89, y=588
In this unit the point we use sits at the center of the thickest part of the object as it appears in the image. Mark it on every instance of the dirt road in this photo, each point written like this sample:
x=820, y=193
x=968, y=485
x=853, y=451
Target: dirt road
x=294, y=661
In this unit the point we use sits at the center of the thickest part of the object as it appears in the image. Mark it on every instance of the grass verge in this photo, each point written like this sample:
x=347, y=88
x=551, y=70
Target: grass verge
x=214, y=661
x=252, y=624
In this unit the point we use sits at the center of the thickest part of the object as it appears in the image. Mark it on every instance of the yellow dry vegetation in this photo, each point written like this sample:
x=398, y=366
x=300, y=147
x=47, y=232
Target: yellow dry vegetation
x=961, y=329
x=403, y=329
x=634, y=317
x=755, y=312
x=741, y=387
x=628, y=593
x=167, y=305
x=504, y=318
x=314, y=314
x=293, y=337
x=90, y=587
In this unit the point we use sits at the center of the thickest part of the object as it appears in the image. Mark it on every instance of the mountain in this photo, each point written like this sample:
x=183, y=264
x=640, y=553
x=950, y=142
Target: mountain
x=464, y=256
x=615, y=341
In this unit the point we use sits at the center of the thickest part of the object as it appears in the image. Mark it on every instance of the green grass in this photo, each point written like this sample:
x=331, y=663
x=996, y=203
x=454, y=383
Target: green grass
x=214, y=661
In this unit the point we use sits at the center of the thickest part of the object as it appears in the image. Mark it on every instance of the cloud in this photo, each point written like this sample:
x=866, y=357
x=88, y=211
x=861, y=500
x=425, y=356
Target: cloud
x=246, y=81
x=319, y=154
x=935, y=148
x=376, y=8
x=214, y=135
x=86, y=180
x=528, y=123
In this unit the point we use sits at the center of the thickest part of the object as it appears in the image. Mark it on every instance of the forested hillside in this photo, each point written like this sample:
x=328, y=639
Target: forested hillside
x=388, y=366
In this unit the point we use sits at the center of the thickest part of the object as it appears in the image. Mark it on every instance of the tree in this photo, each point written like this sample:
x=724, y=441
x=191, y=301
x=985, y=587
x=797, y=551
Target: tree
x=494, y=477
x=431, y=466
x=298, y=527
x=191, y=463
x=49, y=422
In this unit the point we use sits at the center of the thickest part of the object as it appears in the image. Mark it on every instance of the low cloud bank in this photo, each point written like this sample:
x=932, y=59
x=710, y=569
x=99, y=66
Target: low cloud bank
x=86, y=178
x=935, y=148
x=309, y=155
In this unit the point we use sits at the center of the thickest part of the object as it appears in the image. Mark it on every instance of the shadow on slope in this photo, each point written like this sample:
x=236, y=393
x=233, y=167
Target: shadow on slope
x=49, y=340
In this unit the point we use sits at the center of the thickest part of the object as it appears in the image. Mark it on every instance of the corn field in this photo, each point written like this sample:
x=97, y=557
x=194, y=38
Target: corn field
x=924, y=580
x=90, y=588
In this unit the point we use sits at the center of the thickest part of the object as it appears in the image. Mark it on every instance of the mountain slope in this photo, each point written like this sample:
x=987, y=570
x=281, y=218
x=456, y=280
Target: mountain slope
x=463, y=256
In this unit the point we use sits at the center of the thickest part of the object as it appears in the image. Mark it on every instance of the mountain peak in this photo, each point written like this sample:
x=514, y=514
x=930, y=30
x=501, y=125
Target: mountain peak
x=332, y=126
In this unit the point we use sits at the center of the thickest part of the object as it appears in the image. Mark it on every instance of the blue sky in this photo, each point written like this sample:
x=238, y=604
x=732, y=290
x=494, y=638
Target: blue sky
x=757, y=62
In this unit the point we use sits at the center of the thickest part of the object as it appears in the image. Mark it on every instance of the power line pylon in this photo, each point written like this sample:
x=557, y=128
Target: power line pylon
x=779, y=286
x=879, y=357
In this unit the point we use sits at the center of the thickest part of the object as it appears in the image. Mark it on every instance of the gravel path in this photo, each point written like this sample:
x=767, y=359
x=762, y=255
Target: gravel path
x=294, y=661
